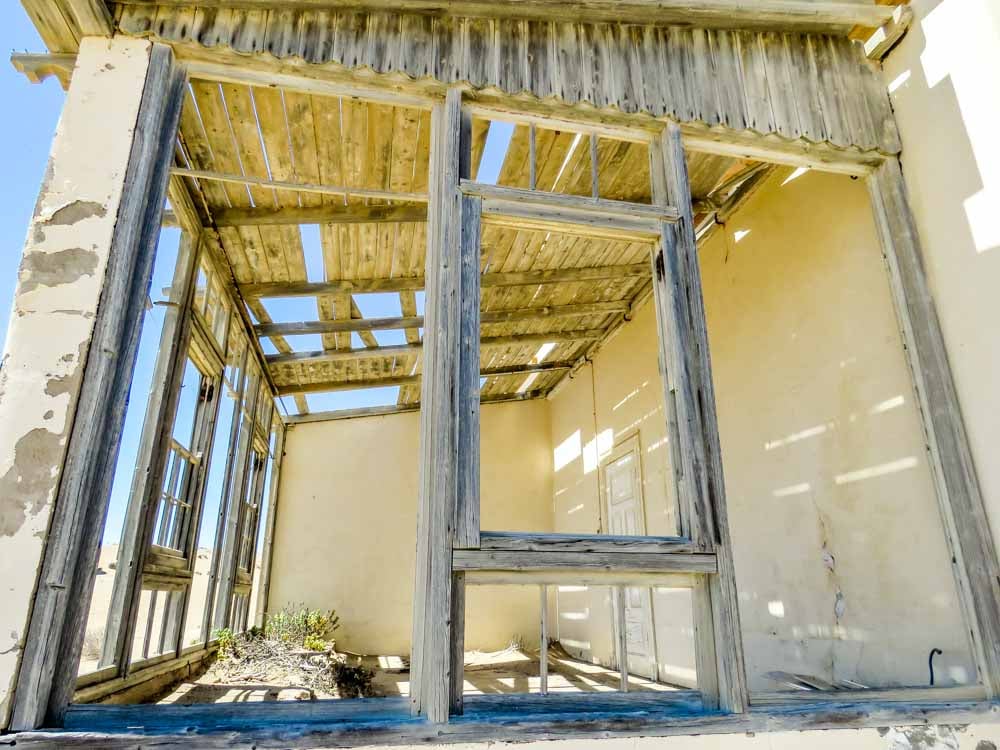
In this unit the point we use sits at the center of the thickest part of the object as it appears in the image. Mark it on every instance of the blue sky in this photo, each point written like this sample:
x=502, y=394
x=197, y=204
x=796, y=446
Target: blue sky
x=31, y=113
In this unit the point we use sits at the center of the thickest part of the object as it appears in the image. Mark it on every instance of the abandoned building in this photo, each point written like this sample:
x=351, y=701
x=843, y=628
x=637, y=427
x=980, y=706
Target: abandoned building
x=594, y=362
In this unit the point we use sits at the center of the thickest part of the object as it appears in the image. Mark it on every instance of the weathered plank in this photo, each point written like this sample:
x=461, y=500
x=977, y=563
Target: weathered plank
x=55, y=632
x=960, y=499
x=416, y=283
x=680, y=562
x=325, y=214
x=516, y=541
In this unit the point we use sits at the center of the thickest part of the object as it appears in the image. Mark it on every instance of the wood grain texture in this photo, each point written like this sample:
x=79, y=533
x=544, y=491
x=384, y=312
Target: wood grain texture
x=960, y=499
x=517, y=541
x=680, y=562
x=554, y=57
x=55, y=634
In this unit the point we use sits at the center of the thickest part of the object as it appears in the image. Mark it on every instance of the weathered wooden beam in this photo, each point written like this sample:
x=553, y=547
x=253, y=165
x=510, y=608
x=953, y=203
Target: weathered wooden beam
x=680, y=312
x=37, y=66
x=576, y=577
x=416, y=283
x=331, y=214
x=515, y=208
x=402, y=350
x=301, y=187
x=810, y=15
x=516, y=541
x=960, y=499
x=543, y=640
x=639, y=562
x=73, y=343
x=389, y=409
x=432, y=658
x=889, y=33
x=351, y=385
x=493, y=316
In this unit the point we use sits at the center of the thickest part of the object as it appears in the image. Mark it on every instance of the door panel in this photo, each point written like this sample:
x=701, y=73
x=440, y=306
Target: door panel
x=622, y=482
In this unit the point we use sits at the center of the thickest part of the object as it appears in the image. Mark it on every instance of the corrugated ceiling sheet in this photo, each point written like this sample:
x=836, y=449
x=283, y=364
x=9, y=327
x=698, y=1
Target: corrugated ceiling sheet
x=811, y=87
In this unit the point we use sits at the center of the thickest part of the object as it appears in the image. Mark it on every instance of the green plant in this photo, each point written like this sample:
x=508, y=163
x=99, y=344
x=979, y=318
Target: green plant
x=315, y=644
x=295, y=626
x=227, y=642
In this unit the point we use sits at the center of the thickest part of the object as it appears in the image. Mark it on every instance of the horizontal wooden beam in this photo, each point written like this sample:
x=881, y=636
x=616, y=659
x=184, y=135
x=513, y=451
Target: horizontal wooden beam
x=336, y=214
x=416, y=283
x=388, y=409
x=515, y=208
x=401, y=350
x=417, y=321
x=800, y=15
x=350, y=385
x=301, y=187
x=670, y=580
x=621, y=562
x=516, y=541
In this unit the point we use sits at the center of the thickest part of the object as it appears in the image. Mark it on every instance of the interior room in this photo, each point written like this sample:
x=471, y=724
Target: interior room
x=820, y=435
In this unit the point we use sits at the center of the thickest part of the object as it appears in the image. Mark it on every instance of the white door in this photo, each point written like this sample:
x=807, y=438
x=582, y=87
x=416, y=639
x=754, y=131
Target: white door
x=626, y=517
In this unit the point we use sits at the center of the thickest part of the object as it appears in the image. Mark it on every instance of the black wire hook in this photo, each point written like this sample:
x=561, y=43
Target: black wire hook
x=930, y=662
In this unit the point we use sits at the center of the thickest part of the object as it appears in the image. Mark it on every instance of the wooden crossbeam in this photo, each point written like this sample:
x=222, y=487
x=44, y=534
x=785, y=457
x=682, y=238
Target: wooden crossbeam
x=416, y=283
x=301, y=187
x=350, y=385
x=402, y=350
x=334, y=214
x=417, y=321
x=507, y=560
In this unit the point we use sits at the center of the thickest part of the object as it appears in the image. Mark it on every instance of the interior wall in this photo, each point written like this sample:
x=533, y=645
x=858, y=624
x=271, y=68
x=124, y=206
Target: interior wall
x=937, y=78
x=345, y=535
x=616, y=397
x=840, y=557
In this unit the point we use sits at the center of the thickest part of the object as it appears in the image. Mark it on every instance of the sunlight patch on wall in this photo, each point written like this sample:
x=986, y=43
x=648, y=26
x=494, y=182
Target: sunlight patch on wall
x=568, y=450
x=871, y=472
x=795, y=489
x=799, y=171
x=597, y=449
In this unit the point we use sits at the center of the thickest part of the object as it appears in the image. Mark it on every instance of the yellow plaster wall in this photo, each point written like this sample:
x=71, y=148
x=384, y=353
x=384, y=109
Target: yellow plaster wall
x=345, y=535
x=841, y=562
x=942, y=80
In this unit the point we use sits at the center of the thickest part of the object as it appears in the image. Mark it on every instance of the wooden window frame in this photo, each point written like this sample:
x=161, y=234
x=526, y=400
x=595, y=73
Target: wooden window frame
x=450, y=411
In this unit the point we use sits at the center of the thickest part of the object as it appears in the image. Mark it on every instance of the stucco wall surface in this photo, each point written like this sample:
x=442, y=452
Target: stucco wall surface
x=345, y=536
x=59, y=286
x=942, y=80
x=840, y=557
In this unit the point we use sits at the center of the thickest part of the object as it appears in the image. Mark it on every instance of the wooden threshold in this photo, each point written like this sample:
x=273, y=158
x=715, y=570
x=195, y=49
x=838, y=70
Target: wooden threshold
x=519, y=718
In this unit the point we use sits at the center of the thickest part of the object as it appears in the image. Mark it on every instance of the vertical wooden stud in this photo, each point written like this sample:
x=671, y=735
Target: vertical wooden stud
x=543, y=648
x=448, y=424
x=621, y=633
x=681, y=316
x=960, y=500
x=595, y=189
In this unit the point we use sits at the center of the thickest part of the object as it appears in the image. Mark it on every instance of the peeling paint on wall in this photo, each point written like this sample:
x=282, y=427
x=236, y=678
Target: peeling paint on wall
x=60, y=280
x=922, y=738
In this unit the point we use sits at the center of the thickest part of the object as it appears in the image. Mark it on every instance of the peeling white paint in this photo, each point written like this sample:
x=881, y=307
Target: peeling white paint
x=59, y=285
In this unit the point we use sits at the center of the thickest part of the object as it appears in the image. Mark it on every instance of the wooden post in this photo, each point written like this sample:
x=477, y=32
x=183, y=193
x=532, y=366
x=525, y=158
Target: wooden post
x=960, y=500
x=271, y=521
x=448, y=423
x=543, y=649
x=69, y=356
x=621, y=639
x=701, y=486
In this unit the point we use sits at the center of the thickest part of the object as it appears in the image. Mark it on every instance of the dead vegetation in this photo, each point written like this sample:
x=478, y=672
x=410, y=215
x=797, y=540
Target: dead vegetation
x=295, y=648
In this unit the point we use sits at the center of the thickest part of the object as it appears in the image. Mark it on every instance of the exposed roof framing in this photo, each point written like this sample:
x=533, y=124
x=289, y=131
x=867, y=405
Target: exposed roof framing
x=549, y=297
